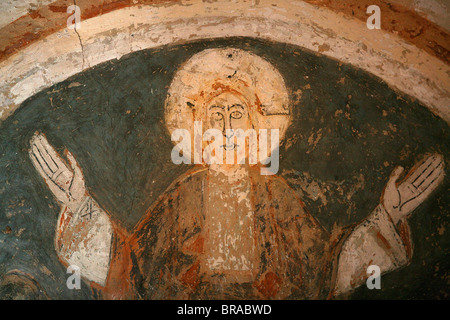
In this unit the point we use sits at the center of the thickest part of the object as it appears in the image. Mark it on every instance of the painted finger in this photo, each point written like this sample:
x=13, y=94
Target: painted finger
x=51, y=153
x=433, y=180
x=428, y=172
x=43, y=153
x=436, y=178
x=40, y=162
x=395, y=174
x=419, y=168
x=40, y=166
x=73, y=164
x=40, y=144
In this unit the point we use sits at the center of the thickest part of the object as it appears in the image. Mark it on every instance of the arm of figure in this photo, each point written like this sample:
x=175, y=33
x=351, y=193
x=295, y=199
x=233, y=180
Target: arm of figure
x=84, y=231
x=382, y=239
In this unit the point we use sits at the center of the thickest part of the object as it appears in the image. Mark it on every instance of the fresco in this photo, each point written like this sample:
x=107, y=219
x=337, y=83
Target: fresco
x=89, y=179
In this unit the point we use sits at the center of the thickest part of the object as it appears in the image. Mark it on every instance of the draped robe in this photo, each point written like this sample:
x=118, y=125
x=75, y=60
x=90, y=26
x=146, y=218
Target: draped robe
x=285, y=252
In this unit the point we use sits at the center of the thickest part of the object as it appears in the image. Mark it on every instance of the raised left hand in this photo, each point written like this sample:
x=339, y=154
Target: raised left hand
x=400, y=199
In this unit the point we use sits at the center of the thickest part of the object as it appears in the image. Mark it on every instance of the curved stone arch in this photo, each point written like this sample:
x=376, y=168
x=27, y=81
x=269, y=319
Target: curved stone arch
x=110, y=36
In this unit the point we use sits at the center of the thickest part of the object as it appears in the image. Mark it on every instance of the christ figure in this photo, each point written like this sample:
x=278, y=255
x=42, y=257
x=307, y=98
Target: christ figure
x=227, y=231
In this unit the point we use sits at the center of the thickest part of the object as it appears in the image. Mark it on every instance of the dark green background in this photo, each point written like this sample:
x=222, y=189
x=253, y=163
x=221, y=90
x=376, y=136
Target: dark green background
x=111, y=118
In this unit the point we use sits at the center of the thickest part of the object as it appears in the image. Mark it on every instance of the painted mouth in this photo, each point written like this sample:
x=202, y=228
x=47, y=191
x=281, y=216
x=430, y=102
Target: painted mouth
x=230, y=146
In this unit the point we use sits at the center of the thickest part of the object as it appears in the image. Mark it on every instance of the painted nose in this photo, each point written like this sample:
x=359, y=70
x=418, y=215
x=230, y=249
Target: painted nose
x=230, y=133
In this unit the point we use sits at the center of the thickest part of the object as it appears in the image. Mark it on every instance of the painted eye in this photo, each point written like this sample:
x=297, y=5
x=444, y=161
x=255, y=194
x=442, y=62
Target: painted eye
x=236, y=115
x=216, y=116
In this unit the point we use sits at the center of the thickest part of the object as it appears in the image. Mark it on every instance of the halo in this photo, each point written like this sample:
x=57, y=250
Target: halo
x=214, y=71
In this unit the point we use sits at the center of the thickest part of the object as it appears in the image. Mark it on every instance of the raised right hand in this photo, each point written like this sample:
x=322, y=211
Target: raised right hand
x=67, y=184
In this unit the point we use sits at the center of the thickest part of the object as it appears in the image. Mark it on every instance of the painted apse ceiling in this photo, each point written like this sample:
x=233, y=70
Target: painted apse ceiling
x=352, y=105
